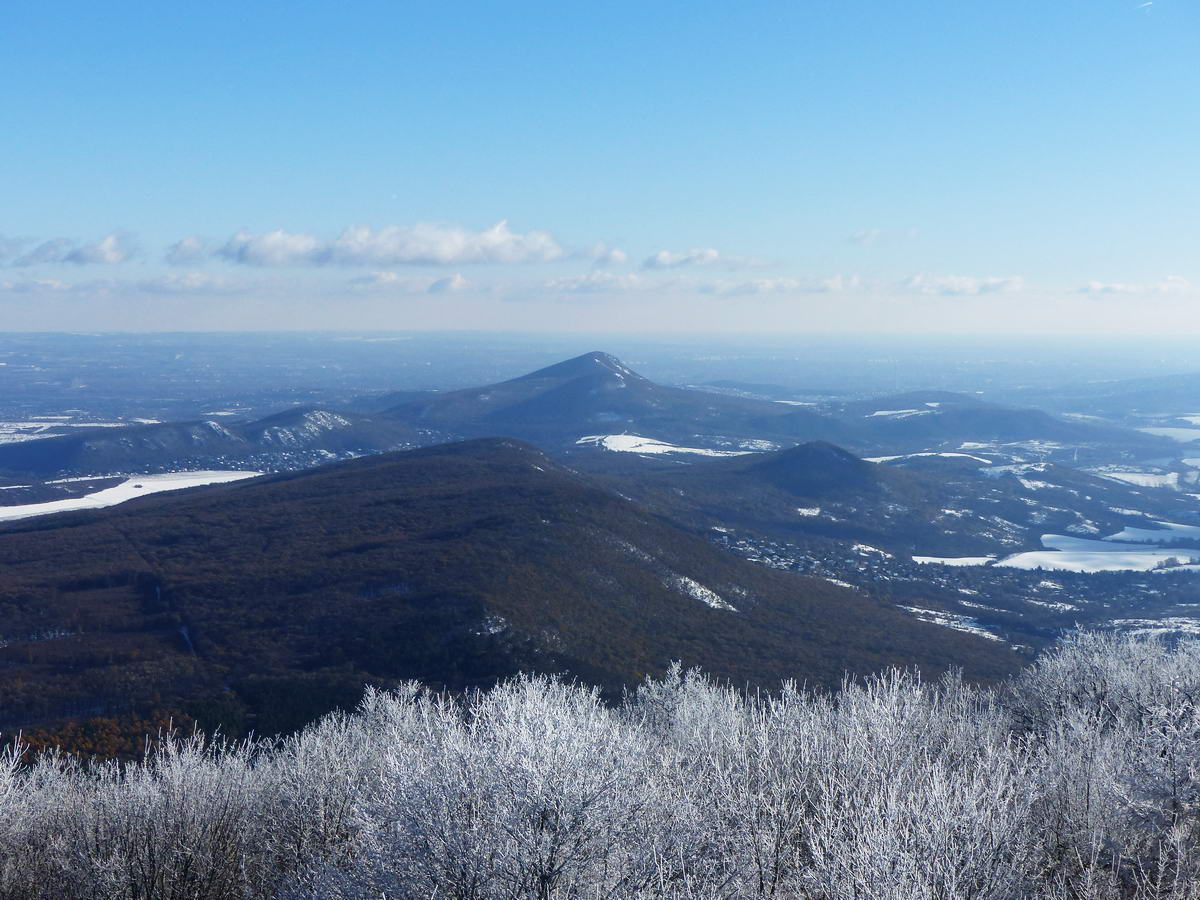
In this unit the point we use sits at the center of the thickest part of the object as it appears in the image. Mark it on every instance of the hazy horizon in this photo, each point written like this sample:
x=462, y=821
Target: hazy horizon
x=768, y=168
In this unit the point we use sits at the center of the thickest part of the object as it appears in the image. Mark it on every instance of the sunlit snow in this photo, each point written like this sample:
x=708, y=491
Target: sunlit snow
x=1145, y=479
x=126, y=490
x=1166, y=532
x=1183, y=435
x=1074, y=554
x=952, y=620
x=883, y=459
x=955, y=560
x=632, y=443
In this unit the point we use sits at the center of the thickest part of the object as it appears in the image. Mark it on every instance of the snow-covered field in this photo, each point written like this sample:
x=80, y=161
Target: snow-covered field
x=1158, y=627
x=956, y=560
x=1183, y=435
x=883, y=459
x=899, y=413
x=1166, y=532
x=127, y=490
x=632, y=443
x=40, y=427
x=1144, y=479
x=1075, y=554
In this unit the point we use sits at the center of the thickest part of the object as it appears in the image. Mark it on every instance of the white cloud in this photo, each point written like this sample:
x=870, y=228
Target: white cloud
x=603, y=254
x=866, y=236
x=449, y=284
x=51, y=251
x=271, y=248
x=186, y=251
x=35, y=286
x=109, y=250
x=666, y=259
x=395, y=283
x=838, y=284
x=185, y=283
x=958, y=285
x=596, y=282
x=704, y=256
x=1172, y=284
x=10, y=247
x=421, y=244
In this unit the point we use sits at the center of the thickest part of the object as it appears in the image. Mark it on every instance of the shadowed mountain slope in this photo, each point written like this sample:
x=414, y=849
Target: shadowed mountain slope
x=263, y=604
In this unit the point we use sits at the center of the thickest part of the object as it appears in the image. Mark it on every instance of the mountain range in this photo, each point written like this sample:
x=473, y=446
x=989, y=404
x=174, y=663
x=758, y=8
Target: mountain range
x=261, y=604
x=590, y=396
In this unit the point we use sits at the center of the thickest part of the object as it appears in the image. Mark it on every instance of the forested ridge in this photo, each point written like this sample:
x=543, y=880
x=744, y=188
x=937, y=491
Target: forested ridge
x=260, y=606
x=1079, y=778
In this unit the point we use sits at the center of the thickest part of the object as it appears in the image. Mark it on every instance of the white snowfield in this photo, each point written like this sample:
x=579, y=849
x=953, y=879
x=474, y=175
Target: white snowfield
x=1068, y=553
x=955, y=621
x=955, y=560
x=1144, y=479
x=1183, y=435
x=632, y=443
x=1166, y=532
x=899, y=413
x=689, y=587
x=127, y=490
x=1158, y=627
x=883, y=459
x=45, y=427
x=1075, y=554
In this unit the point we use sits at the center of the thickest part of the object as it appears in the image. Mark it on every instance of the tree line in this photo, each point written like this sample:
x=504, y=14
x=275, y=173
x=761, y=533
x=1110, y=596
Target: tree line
x=1079, y=778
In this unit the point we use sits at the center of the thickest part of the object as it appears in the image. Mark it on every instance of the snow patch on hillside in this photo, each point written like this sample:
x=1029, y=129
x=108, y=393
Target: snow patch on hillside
x=694, y=589
x=632, y=443
x=126, y=490
x=955, y=621
x=1165, y=533
x=883, y=459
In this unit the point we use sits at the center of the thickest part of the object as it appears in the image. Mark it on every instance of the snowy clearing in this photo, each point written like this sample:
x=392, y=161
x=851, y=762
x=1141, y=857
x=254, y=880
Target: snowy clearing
x=899, y=413
x=1074, y=554
x=689, y=587
x=1158, y=627
x=883, y=459
x=632, y=443
x=1183, y=435
x=952, y=620
x=1166, y=532
x=1068, y=553
x=955, y=560
x=127, y=490
x=1144, y=479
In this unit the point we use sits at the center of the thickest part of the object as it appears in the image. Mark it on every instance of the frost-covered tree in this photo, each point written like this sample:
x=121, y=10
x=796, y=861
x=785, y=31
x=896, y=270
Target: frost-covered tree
x=1079, y=779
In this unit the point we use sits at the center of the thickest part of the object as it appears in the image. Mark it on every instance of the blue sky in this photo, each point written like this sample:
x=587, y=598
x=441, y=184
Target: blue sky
x=758, y=166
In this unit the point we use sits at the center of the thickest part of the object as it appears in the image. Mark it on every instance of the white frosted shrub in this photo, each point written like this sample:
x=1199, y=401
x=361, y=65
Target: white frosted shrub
x=1079, y=779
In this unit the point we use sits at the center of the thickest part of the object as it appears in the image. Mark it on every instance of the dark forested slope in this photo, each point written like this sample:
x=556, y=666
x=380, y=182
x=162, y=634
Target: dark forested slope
x=262, y=604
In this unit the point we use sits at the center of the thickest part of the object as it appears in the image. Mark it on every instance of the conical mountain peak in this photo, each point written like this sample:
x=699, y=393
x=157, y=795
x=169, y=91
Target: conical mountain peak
x=594, y=363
